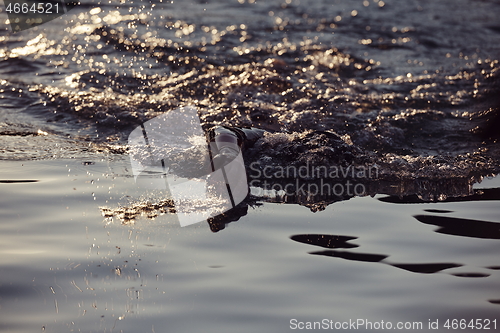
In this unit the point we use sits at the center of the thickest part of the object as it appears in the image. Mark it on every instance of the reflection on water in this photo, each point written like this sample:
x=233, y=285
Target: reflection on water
x=149, y=273
x=327, y=241
x=445, y=190
x=11, y=181
x=462, y=227
x=425, y=268
x=472, y=275
x=448, y=225
x=367, y=257
x=477, y=195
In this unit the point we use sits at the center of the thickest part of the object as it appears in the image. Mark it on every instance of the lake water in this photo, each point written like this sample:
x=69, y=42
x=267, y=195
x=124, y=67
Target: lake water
x=66, y=268
x=409, y=88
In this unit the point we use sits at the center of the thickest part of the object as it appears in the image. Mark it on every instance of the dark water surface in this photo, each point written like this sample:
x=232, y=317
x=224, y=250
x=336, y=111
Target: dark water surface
x=408, y=83
x=409, y=87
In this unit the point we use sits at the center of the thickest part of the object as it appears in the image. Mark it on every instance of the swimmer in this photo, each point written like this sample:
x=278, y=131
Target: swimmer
x=230, y=141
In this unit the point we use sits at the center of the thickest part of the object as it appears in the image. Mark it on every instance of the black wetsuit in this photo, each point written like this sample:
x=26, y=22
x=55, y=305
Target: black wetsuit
x=231, y=140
